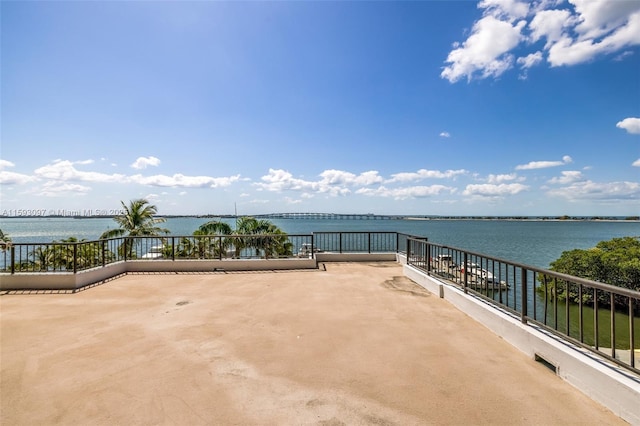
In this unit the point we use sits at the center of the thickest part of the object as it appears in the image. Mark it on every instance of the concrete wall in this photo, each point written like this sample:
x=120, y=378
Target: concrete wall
x=60, y=280
x=213, y=265
x=38, y=281
x=356, y=257
x=602, y=381
x=71, y=281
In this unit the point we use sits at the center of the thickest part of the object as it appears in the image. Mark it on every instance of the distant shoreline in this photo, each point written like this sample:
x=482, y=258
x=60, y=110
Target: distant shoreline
x=533, y=219
x=312, y=216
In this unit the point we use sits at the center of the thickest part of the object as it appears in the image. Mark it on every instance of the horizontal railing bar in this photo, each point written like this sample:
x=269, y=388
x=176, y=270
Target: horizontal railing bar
x=578, y=280
x=64, y=256
x=476, y=273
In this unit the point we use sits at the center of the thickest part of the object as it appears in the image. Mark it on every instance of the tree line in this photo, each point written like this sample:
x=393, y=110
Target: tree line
x=213, y=239
x=615, y=262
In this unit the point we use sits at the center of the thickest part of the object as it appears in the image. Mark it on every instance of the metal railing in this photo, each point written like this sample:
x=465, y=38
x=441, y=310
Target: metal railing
x=600, y=317
x=82, y=255
x=597, y=316
x=61, y=256
x=357, y=242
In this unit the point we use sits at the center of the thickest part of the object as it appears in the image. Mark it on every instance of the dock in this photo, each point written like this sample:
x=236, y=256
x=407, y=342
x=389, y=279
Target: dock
x=477, y=279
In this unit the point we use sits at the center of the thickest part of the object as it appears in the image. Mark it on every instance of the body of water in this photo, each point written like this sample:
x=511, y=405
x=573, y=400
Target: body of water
x=533, y=242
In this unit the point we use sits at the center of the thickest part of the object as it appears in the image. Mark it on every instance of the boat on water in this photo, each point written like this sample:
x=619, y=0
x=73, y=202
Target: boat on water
x=442, y=258
x=154, y=253
x=481, y=278
x=476, y=271
x=443, y=261
x=307, y=250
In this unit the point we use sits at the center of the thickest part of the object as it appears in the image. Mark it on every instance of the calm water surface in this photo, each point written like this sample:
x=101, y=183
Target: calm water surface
x=536, y=243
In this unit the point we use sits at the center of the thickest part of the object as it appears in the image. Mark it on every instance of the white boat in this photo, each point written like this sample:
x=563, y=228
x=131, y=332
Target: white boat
x=443, y=258
x=154, y=253
x=442, y=261
x=476, y=271
x=481, y=278
x=307, y=250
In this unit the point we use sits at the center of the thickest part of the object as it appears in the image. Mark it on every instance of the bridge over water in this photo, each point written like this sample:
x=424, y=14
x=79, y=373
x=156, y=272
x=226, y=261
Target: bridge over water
x=339, y=216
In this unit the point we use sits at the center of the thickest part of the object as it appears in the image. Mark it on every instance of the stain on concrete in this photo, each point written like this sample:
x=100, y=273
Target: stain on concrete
x=405, y=285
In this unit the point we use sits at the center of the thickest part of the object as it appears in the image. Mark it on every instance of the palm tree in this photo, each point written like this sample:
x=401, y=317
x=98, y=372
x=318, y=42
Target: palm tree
x=137, y=220
x=61, y=253
x=206, y=246
x=91, y=254
x=220, y=228
x=5, y=241
x=276, y=243
x=273, y=242
x=43, y=259
x=262, y=235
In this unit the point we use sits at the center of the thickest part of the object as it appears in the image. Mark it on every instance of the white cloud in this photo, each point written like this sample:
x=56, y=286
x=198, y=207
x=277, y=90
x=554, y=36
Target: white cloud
x=181, y=181
x=544, y=164
x=485, y=52
x=502, y=178
x=576, y=32
x=338, y=182
x=445, y=135
x=527, y=62
x=339, y=177
x=405, y=193
x=333, y=182
x=609, y=191
x=530, y=60
x=623, y=55
x=290, y=200
x=551, y=25
x=12, y=178
x=425, y=174
x=64, y=170
x=5, y=163
x=259, y=201
x=494, y=190
x=143, y=162
x=597, y=18
x=152, y=198
x=507, y=9
x=636, y=163
x=278, y=180
x=630, y=124
x=567, y=177
x=57, y=189
x=602, y=27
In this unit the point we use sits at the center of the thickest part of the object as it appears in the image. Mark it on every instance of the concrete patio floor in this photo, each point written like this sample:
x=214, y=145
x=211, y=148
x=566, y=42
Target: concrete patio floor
x=356, y=344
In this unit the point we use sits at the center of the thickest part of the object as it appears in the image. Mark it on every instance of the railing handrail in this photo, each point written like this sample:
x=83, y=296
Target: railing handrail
x=158, y=237
x=161, y=236
x=355, y=232
x=562, y=276
x=524, y=284
x=419, y=253
x=130, y=246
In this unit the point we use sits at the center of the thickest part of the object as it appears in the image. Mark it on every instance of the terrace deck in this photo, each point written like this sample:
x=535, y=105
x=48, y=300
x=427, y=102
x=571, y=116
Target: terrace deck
x=357, y=343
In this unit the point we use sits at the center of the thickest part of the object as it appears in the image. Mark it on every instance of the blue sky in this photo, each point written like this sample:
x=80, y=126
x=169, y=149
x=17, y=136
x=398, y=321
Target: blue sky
x=497, y=107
